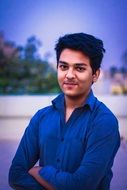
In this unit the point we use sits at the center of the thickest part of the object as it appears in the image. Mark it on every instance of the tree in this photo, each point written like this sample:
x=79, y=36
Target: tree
x=31, y=48
x=124, y=58
x=23, y=72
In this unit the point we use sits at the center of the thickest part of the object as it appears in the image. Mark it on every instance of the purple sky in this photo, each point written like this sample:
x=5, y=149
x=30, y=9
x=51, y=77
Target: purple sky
x=48, y=20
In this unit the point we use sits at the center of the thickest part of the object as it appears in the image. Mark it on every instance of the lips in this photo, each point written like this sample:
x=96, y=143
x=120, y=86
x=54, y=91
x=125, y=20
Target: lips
x=70, y=83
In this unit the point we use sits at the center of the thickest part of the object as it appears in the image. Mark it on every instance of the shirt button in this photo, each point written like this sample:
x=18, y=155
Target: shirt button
x=62, y=139
x=58, y=160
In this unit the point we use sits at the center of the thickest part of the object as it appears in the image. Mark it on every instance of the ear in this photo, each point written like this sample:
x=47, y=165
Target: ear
x=96, y=75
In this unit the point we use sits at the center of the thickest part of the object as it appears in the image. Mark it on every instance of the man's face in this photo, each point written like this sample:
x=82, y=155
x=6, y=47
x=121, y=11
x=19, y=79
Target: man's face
x=75, y=75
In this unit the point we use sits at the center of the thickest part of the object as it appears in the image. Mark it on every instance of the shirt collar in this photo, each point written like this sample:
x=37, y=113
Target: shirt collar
x=90, y=101
x=59, y=101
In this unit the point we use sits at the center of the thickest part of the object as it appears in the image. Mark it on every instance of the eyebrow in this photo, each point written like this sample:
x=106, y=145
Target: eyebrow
x=63, y=62
x=77, y=64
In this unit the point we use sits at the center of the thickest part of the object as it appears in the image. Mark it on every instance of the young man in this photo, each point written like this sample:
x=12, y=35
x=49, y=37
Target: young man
x=76, y=138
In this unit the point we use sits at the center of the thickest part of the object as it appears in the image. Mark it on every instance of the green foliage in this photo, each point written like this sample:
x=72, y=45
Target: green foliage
x=26, y=73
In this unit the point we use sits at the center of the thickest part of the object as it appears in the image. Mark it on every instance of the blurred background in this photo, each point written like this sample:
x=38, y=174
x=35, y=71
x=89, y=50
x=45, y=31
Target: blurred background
x=29, y=30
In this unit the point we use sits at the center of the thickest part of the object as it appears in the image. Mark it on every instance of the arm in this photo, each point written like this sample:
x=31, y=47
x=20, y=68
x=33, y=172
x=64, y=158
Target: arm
x=35, y=173
x=26, y=157
x=102, y=144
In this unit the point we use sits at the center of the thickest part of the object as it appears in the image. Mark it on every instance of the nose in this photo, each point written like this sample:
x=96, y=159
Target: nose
x=70, y=74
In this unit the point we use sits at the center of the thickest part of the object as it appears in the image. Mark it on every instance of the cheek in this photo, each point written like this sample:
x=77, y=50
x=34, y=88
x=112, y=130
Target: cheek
x=87, y=79
x=60, y=77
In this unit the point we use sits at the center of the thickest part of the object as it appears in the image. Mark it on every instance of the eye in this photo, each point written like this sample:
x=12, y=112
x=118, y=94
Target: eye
x=80, y=69
x=63, y=67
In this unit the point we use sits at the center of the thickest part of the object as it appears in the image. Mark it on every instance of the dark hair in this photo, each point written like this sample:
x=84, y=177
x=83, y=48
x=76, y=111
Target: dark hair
x=87, y=44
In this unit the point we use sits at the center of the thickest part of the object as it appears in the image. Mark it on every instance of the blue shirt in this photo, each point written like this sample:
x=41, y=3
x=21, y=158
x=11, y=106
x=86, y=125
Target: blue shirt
x=74, y=155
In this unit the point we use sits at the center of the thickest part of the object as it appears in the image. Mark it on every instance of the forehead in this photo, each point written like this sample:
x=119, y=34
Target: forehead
x=73, y=56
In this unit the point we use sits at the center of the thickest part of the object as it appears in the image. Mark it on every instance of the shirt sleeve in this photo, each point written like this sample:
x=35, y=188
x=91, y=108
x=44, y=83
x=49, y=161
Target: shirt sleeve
x=25, y=158
x=103, y=141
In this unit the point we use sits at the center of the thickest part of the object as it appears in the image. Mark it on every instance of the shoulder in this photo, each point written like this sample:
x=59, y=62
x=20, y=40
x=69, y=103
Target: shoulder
x=104, y=117
x=42, y=112
x=102, y=110
x=39, y=115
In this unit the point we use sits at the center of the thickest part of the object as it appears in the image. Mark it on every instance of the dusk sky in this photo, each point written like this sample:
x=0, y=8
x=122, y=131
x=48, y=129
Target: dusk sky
x=19, y=19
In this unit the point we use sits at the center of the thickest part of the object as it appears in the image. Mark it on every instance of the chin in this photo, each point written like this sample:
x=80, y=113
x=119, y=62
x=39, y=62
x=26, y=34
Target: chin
x=71, y=94
x=74, y=95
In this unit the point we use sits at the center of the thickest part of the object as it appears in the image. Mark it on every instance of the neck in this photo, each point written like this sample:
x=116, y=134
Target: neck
x=75, y=102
